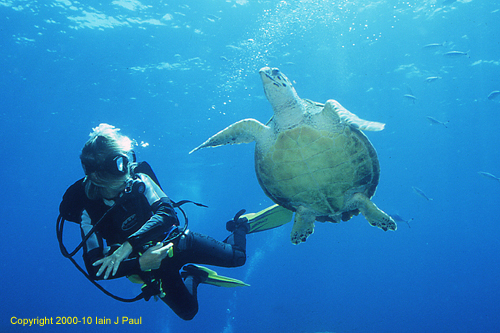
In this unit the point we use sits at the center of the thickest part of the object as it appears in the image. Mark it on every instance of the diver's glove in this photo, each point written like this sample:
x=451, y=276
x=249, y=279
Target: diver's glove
x=238, y=222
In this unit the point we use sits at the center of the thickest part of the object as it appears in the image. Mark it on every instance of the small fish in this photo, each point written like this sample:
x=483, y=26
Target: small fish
x=433, y=45
x=432, y=78
x=212, y=18
x=435, y=121
x=223, y=58
x=452, y=54
x=488, y=175
x=421, y=193
x=494, y=94
x=398, y=218
x=234, y=47
x=410, y=97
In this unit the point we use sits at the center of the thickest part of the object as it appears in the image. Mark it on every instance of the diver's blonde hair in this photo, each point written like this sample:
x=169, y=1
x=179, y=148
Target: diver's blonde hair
x=104, y=141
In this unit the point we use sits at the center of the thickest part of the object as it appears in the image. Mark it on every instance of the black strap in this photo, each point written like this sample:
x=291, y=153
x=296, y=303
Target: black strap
x=182, y=202
x=147, y=291
x=238, y=215
x=64, y=251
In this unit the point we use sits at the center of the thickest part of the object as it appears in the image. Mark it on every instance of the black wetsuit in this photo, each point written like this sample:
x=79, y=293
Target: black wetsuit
x=144, y=220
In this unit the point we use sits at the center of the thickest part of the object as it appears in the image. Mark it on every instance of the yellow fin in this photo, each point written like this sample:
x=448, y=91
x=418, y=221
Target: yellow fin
x=269, y=218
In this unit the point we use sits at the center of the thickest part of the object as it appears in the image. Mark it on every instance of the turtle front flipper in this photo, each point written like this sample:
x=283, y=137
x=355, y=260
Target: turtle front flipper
x=350, y=118
x=303, y=225
x=371, y=212
x=243, y=131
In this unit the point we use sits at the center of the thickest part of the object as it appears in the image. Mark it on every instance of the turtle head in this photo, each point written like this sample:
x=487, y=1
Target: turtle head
x=278, y=88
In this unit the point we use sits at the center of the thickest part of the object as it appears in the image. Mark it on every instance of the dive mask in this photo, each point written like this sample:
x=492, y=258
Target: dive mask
x=114, y=164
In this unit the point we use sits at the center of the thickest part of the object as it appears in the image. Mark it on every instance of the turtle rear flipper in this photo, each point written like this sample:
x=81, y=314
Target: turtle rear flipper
x=303, y=225
x=371, y=212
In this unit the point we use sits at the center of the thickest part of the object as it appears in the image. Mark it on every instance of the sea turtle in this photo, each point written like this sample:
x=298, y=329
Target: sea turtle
x=311, y=158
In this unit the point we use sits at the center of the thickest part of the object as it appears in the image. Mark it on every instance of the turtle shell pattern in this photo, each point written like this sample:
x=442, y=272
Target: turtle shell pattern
x=319, y=166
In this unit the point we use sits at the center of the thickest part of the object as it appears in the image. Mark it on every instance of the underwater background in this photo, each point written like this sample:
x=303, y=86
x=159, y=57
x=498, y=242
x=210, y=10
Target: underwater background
x=170, y=74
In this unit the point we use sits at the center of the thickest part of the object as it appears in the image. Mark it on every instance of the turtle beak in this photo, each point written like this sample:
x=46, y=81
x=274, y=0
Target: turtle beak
x=266, y=77
x=265, y=74
x=264, y=69
x=271, y=75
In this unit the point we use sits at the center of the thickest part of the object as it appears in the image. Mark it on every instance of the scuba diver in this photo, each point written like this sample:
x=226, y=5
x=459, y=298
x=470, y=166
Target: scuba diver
x=129, y=227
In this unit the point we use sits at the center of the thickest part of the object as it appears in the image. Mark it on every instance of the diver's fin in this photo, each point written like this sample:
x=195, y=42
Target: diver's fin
x=269, y=218
x=135, y=279
x=212, y=277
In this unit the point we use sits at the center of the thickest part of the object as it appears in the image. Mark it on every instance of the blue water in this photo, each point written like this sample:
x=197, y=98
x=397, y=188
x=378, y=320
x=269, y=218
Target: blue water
x=171, y=74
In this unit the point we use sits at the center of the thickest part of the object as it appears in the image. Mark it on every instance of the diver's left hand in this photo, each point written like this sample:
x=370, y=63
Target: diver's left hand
x=111, y=263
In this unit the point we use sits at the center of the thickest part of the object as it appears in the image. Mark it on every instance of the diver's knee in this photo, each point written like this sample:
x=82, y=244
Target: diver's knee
x=188, y=315
x=239, y=258
x=185, y=241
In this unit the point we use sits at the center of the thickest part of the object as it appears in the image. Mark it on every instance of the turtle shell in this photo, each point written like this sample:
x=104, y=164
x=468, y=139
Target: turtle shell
x=319, y=168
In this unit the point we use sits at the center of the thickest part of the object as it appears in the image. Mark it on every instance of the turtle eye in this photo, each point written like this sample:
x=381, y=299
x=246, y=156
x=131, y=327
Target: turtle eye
x=276, y=72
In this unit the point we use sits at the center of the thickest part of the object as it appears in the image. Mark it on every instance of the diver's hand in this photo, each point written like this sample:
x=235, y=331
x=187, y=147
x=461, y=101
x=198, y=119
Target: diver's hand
x=111, y=263
x=152, y=258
